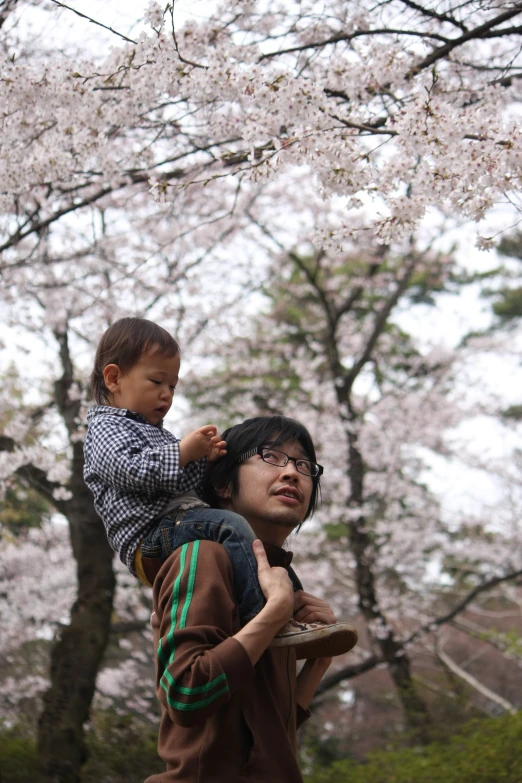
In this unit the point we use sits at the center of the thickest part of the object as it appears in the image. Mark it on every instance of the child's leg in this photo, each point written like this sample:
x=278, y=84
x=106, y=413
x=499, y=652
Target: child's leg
x=235, y=534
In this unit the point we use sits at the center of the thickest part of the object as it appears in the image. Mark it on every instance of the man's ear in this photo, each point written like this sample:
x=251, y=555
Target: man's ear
x=225, y=493
x=111, y=377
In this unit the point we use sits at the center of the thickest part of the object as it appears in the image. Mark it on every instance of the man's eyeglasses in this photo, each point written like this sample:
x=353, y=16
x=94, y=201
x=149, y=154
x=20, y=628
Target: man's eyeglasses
x=280, y=459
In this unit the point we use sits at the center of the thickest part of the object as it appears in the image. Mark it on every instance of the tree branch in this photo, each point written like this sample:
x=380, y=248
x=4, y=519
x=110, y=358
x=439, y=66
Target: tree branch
x=431, y=626
x=378, y=326
x=476, y=684
x=93, y=21
x=434, y=15
x=348, y=673
x=477, y=32
x=35, y=477
x=350, y=37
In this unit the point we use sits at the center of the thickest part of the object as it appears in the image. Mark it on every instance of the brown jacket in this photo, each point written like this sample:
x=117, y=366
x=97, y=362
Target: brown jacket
x=223, y=720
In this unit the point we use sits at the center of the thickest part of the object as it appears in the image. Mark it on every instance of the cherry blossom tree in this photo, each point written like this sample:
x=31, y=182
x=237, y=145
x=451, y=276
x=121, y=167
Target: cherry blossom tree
x=132, y=179
x=379, y=401
x=402, y=105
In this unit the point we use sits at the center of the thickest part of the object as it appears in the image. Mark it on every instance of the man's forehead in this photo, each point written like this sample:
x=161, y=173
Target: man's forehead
x=291, y=447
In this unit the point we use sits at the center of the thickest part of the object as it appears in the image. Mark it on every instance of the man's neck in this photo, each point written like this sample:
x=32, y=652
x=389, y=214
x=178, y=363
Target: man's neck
x=270, y=533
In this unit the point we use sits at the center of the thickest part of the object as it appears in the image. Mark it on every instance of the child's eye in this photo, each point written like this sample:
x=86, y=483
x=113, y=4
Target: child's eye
x=153, y=381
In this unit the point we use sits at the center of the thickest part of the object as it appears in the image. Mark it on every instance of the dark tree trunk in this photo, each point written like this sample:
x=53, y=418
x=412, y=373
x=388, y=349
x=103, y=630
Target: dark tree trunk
x=77, y=654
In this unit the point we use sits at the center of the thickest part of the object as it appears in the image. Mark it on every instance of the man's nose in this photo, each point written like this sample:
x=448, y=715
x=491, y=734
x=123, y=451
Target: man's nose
x=290, y=471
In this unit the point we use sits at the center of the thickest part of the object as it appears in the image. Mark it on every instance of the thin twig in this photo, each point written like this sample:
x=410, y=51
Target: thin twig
x=93, y=21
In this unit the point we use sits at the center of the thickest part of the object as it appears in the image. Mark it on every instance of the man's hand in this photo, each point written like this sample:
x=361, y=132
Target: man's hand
x=275, y=583
x=310, y=609
x=203, y=442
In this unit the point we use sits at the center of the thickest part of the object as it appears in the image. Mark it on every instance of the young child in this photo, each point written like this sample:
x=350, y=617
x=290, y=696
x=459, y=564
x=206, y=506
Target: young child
x=145, y=481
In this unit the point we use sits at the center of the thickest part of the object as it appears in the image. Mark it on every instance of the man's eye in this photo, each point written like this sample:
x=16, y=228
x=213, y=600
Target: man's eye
x=303, y=463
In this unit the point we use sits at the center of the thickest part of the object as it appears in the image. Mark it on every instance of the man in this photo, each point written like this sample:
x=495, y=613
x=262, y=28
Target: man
x=230, y=704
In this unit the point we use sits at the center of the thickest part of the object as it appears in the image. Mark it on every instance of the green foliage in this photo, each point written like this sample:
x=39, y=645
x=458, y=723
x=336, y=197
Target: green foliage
x=509, y=304
x=486, y=751
x=511, y=245
x=509, y=642
x=513, y=412
x=18, y=759
x=335, y=531
x=121, y=750
x=425, y=284
x=21, y=509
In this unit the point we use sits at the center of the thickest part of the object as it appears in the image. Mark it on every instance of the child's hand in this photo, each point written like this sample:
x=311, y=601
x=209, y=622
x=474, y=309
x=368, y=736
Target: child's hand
x=203, y=442
x=218, y=448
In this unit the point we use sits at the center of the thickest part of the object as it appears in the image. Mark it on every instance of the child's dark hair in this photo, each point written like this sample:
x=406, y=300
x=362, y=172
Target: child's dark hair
x=123, y=343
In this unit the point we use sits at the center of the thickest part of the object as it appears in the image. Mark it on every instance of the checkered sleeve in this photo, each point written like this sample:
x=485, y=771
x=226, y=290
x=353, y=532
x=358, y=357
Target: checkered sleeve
x=131, y=464
x=193, y=476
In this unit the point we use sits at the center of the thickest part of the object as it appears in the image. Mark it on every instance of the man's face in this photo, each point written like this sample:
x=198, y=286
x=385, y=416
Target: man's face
x=273, y=499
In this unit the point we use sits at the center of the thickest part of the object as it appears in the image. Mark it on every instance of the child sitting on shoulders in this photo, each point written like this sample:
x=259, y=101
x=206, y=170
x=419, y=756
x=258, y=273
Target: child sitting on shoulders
x=146, y=482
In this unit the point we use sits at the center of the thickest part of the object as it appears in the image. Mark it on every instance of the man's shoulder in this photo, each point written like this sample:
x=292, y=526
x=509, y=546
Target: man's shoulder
x=202, y=562
x=203, y=552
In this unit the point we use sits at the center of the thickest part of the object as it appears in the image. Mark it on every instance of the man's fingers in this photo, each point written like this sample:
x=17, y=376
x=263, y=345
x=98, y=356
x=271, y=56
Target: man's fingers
x=311, y=615
x=259, y=552
x=310, y=609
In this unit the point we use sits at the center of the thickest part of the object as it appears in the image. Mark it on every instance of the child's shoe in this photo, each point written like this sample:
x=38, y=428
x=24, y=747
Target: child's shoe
x=316, y=640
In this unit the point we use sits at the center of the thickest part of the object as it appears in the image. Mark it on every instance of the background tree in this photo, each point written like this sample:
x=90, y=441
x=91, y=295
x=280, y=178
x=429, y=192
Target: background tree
x=331, y=350
x=131, y=181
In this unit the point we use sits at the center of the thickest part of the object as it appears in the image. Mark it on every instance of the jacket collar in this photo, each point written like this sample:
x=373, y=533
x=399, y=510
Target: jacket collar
x=108, y=410
x=277, y=556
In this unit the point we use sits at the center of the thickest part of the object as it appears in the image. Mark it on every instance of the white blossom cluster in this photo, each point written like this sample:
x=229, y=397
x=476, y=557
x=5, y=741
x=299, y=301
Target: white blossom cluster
x=37, y=590
x=237, y=95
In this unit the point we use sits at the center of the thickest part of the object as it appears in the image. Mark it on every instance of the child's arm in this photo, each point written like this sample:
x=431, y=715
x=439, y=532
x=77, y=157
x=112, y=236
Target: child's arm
x=203, y=442
x=120, y=457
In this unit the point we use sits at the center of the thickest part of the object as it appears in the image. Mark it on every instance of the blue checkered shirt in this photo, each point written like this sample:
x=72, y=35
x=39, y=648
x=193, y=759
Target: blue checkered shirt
x=132, y=468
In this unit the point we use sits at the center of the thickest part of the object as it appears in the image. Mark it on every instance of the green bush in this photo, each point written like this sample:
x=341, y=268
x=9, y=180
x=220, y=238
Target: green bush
x=18, y=761
x=121, y=750
x=486, y=751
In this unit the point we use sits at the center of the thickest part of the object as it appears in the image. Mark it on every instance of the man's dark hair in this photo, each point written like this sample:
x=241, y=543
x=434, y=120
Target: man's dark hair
x=123, y=343
x=260, y=431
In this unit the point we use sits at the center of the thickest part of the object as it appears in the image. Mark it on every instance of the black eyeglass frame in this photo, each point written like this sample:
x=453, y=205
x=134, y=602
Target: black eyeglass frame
x=259, y=450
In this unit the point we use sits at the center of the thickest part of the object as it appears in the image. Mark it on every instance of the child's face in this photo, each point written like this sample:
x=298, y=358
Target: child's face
x=147, y=388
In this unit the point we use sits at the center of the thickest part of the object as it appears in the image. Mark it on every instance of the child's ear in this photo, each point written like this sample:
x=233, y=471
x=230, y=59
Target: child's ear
x=111, y=377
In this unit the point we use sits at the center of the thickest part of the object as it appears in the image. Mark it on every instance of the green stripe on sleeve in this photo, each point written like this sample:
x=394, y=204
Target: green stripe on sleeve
x=179, y=705
x=167, y=681
x=190, y=586
x=173, y=613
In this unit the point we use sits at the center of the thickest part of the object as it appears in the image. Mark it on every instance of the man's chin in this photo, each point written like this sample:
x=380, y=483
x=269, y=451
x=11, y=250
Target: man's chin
x=285, y=519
